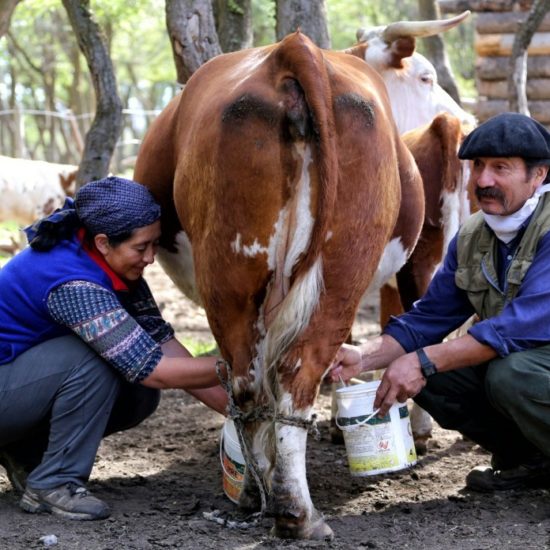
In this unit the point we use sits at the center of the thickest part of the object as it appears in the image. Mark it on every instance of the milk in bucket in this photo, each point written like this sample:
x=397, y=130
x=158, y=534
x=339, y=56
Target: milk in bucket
x=232, y=461
x=373, y=445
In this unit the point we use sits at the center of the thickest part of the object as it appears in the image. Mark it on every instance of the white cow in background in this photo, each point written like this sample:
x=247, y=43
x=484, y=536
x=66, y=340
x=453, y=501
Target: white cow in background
x=31, y=189
x=411, y=80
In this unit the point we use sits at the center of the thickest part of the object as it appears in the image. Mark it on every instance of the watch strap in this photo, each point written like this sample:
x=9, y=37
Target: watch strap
x=427, y=367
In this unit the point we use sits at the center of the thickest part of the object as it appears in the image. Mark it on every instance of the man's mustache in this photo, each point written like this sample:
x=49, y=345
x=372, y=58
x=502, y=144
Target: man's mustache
x=489, y=193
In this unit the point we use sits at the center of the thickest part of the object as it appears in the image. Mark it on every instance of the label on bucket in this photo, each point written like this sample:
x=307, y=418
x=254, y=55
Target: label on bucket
x=233, y=475
x=232, y=461
x=373, y=445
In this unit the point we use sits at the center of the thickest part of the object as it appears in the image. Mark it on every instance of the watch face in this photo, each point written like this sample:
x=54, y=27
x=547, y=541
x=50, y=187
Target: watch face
x=428, y=370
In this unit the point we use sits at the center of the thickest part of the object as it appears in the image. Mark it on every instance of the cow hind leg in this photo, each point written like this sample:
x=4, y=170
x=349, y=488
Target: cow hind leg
x=421, y=425
x=295, y=515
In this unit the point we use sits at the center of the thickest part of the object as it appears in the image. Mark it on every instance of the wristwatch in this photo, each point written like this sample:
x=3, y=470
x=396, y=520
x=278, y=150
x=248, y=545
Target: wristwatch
x=426, y=366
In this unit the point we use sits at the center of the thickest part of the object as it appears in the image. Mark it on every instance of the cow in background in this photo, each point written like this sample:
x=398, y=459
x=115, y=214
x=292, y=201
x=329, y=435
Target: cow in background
x=416, y=98
x=411, y=80
x=31, y=189
x=283, y=170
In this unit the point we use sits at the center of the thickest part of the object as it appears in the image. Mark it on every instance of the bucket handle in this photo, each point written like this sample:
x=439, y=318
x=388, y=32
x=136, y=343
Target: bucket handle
x=361, y=423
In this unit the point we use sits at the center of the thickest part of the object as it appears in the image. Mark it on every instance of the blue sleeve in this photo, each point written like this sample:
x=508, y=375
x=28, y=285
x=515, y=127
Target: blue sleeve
x=95, y=315
x=443, y=308
x=523, y=323
x=142, y=307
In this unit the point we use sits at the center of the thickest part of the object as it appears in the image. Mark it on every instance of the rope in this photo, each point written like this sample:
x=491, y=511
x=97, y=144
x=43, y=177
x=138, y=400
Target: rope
x=241, y=418
x=237, y=416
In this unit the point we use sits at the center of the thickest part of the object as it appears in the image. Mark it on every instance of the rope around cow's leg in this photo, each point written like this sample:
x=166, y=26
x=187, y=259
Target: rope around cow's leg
x=239, y=418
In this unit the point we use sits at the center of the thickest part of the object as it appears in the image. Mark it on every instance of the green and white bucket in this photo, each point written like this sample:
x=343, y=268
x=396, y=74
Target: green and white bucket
x=373, y=445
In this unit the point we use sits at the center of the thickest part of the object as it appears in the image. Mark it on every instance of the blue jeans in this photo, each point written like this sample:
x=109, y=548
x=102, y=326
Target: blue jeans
x=57, y=401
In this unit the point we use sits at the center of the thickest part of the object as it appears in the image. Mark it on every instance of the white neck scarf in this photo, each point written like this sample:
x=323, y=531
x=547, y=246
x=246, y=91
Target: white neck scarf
x=507, y=227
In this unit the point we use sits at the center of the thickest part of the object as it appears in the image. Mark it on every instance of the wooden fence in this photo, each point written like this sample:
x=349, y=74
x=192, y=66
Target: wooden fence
x=496, y=22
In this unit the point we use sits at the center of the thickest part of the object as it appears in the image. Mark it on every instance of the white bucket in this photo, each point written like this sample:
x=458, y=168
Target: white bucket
x=373, y=445
x=232, y=461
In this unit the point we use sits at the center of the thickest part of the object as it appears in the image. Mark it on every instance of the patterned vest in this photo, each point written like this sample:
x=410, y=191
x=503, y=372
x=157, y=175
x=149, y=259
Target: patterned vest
x=477, y=256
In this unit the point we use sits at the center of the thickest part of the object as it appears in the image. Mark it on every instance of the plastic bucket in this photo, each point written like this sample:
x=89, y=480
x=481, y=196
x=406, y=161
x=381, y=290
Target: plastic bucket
x=232, y=461
x=373, y=445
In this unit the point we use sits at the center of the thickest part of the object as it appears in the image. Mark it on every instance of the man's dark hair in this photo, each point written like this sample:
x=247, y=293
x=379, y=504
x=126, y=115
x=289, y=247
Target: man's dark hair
x=531, y=164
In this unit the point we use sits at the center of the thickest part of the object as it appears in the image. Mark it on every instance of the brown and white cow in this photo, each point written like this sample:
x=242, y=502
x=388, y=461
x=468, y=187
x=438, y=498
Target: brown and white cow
x=283, y=169
x=416, y=98
x=434, y=147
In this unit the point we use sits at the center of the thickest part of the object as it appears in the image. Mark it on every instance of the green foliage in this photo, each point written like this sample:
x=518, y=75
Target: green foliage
x=136, y=40
x=263, y=22
x=9, y=232
x=234, y=7
x=344, y=17
x=202, y=348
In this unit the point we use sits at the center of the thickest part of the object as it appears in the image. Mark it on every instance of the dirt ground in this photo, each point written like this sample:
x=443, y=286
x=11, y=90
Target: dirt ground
x=161, y=477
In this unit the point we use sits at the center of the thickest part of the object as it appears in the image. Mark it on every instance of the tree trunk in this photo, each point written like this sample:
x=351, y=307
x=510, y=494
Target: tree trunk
x=307, y=15
x=517, y=94
x=105, y=130
x=192, y=33
x=6, y=11
x=428, y=10
x=234, y=24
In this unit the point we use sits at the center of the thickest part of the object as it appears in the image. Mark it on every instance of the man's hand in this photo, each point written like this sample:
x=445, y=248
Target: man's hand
x=346, y=364
x=402, y=379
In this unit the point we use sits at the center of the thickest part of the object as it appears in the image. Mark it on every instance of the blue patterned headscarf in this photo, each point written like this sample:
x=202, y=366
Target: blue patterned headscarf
x=113, y=206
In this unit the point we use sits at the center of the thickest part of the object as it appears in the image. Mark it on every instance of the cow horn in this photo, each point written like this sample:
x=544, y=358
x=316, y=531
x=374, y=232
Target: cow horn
x=419, y=29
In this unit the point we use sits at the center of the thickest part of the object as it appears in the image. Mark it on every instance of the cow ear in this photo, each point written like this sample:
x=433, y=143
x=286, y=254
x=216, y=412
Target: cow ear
x=400, y=49
x=359, y=50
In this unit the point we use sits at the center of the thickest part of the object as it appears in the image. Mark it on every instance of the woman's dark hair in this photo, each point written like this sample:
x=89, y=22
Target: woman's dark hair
x=50, y=234
x=114, y=240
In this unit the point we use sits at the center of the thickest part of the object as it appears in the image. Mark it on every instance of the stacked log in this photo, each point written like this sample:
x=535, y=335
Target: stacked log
x=496, y=23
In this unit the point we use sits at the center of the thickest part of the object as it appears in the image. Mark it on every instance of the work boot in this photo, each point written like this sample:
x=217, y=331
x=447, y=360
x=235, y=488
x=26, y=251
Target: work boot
x=532, y=473
x=70, y=501
x=16, y=472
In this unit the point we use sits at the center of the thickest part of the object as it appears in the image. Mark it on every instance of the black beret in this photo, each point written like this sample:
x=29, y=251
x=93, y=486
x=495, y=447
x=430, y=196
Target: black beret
x=508, y=135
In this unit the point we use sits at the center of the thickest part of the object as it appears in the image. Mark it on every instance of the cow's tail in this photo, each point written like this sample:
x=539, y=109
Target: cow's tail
x=308, y=105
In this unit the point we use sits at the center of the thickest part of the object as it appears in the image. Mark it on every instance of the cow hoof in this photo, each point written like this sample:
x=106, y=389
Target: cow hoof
x=421, y=444
x=318, y=530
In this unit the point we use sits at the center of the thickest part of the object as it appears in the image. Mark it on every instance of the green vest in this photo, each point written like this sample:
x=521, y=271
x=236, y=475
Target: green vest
x=477, y=256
